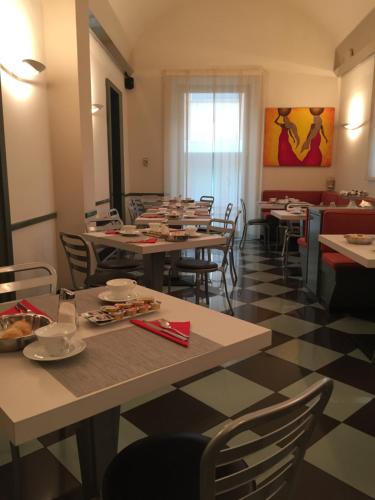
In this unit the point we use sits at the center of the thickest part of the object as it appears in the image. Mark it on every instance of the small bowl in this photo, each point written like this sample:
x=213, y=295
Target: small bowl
x=359, y=239
x=36, y=321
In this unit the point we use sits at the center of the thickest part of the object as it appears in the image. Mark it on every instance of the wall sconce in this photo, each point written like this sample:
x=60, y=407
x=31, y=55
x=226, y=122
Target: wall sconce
x=25, y=69
x=96, y=107
x=353, y=126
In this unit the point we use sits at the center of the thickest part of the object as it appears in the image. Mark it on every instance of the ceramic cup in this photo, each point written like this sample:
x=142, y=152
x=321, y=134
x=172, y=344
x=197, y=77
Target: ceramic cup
x=56, y=337
x=121, y=288
x=272, y=200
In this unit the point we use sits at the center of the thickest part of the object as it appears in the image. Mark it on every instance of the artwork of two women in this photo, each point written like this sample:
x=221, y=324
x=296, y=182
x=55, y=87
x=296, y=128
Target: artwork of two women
x=298, y=137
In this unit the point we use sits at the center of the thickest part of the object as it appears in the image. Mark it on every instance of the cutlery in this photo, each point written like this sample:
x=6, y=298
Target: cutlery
x=22, y=308
x=166, y=330
x=166, y=324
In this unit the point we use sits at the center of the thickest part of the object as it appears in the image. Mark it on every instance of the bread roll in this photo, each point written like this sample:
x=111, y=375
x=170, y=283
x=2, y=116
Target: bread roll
x=12, y=333
x=24, y=326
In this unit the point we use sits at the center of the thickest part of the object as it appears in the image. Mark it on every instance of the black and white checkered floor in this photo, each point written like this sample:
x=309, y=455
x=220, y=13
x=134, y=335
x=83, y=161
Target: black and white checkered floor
x=308, y=343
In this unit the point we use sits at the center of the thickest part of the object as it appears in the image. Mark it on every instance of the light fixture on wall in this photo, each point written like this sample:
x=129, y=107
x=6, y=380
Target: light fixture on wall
x=26, y=69
x=353, y=125
x=96, y=107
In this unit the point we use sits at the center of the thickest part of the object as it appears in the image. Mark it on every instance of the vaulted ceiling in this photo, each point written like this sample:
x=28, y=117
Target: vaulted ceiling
x=336, y=17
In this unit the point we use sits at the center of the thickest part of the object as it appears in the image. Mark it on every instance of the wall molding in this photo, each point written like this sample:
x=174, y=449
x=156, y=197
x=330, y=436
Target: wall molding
x=102, y=202
x=142, y=194
x=31, y=222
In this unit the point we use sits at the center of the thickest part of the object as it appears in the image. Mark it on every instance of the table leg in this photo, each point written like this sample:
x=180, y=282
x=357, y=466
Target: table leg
x=97, y=440
x=16, y=471
x=154, y=270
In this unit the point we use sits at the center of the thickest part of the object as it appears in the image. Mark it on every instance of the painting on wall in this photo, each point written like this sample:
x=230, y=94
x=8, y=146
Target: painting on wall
x=298, y=137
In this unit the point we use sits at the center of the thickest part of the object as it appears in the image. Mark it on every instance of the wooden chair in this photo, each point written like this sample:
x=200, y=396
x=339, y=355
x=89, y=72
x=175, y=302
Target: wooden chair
x=194, y=467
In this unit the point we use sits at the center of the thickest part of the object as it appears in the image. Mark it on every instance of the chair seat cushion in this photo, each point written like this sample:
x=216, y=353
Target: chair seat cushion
x=260, y=220
x=195, y=264
x=302, y=242
x=118, y=264
x=337, y=260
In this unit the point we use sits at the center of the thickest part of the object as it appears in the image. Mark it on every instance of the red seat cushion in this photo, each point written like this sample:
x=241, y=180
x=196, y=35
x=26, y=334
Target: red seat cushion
x=336, y=260
x=302, y=242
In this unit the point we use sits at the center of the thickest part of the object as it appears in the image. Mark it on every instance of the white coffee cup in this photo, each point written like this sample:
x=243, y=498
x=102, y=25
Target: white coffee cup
x=120, y=288
x=56, y=337
x=272, y=200
x=129, y=228
x=190, y=230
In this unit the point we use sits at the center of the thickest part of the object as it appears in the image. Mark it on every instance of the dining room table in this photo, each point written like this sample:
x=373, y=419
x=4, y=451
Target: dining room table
x=121, y=361
x=154, y=251
x=181, y=220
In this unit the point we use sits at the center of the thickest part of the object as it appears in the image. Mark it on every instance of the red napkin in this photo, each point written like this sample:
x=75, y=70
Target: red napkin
x=111, y=231
x=149, y=240
x=26, y=303
x=184, y=327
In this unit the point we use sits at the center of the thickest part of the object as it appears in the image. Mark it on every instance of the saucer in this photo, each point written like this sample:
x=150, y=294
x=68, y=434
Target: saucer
x=36, y=352
x=106, y=297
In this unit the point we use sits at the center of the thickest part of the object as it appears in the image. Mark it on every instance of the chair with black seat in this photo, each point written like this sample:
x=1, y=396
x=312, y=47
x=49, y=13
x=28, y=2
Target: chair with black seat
x=202, y=268
x=231, y=465
x=209, y=200
x=78, y=253
x=112, y=259
x=228, y=211
x=261, y=222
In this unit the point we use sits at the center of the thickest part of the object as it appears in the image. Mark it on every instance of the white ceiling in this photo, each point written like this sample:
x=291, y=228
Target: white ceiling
x=336, y=17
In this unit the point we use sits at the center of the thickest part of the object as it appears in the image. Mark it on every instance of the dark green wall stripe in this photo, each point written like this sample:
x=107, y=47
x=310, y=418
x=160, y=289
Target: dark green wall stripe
x=31, y=222
x=143, y=194
x=92, y=213
x=102, y=202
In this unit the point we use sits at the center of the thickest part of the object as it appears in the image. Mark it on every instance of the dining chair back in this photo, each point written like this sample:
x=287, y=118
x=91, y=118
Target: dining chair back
x=231, y=465
x=281, y=448
x=47, y=279
x=210, y=200
x=228, y=211
x=78, y=254
x=260, y=222
x=225, y=228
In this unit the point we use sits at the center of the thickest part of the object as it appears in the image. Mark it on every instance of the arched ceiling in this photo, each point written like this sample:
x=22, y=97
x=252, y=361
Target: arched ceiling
x=336, y=17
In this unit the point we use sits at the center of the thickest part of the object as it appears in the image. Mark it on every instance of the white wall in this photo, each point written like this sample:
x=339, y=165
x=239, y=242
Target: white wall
x=102, y=68
x=353, y=146
x=297, y=57
x=27, y=132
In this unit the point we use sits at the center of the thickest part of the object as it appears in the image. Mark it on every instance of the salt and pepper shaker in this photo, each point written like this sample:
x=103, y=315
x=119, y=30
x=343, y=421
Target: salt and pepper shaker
x=67, y=312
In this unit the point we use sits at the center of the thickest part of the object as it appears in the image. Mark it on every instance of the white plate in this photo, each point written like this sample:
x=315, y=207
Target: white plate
x=106, y=297
x=36, y=352
x=126, y=233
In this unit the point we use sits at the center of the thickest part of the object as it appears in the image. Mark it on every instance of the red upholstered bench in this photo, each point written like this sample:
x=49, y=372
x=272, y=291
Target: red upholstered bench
x=336, y=260
x=344, y=284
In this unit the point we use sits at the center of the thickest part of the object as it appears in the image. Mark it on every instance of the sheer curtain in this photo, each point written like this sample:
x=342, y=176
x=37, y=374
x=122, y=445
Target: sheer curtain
x=212, y=136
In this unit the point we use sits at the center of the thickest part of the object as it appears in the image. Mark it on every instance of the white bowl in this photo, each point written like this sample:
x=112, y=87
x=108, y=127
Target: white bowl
x=359, y=239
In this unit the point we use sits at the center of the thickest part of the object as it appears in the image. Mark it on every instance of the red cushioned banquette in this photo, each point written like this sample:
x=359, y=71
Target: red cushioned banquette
x=347, y=221
x=302, y=242
x=313, y=197
x=336, y=260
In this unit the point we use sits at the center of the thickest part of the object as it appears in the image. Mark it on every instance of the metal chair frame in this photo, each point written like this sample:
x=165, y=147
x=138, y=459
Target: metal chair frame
x=291, y=230
x=227, y=229
x=278, y=471
x=78, y=253
x=29, y=283
x=210, y=200
x=253, y=222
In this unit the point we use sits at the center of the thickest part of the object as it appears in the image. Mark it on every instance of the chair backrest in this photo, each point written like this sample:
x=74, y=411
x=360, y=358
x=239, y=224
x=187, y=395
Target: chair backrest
x=281, y=449
x=50, y=279
x=243, y=209
x=210, y=200
x=78, y=254
x=225, y=228
x=228, y=211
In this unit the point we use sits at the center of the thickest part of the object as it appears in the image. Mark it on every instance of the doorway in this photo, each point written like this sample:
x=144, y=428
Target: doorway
x=6, y=248
x=115, y=148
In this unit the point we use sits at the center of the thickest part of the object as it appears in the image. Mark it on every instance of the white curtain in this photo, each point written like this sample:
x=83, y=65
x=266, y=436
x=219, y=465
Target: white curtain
x=212, y=136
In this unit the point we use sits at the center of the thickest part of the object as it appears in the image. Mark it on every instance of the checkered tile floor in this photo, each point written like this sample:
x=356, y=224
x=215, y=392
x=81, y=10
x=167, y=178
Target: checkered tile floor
x=308, y=343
